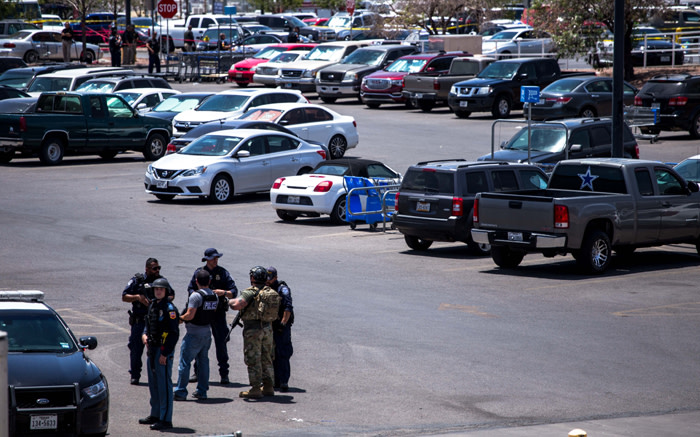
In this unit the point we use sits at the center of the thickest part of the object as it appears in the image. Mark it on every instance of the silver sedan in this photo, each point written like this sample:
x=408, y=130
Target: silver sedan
x=34, y=45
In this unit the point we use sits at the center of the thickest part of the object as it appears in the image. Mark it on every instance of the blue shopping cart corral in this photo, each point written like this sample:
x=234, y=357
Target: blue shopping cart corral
x=364, y=201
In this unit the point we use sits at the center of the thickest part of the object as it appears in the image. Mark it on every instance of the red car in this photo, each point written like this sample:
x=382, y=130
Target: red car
x=385, y=86
x=242, y=72
x=316, y=21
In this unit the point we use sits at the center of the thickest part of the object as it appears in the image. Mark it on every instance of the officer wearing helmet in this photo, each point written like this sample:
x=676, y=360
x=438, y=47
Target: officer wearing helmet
x=160, y=337
x=282, y=330
x=257, y=304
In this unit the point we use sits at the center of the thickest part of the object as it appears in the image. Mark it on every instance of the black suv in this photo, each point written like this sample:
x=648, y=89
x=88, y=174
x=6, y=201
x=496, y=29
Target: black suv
x=435, y=200
x=677, y=98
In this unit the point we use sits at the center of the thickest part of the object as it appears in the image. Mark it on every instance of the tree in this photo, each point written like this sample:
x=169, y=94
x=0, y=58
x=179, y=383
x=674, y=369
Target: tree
x=577, y=26
x=440, y=16
x=84, y=7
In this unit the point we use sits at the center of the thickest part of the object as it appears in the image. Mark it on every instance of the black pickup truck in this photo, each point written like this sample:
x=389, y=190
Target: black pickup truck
x=497, y=87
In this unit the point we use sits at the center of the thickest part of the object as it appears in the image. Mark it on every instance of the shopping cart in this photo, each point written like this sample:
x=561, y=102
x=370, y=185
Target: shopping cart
x=369, y=201
x=641, y=119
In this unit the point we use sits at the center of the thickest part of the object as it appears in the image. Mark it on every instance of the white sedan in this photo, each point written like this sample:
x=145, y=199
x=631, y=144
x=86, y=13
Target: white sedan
x=323, y=191
x=311, y=122
x=144, y=99
x=519, y=41
x=227, y=162
x=33, y=45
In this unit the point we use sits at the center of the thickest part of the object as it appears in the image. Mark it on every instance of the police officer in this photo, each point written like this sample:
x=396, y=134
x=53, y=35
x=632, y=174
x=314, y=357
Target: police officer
x=138, y=292
x=115, y=47
x=160, y=337
x=153, y=47
x=257, y=337
x=199, y=313
x=223, y=285
x=282, y=330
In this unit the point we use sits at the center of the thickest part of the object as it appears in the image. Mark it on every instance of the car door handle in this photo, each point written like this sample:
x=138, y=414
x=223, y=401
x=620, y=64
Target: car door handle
x=595, y=95
x=666, y=204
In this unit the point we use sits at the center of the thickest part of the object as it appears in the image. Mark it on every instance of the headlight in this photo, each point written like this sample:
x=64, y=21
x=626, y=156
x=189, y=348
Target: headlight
x=309, y=73
x=95, y=390
x=483, y=91
x=453, y=89
x=364, y=81
x=149, y=170
x=195, y=171
x=350, y=77
x=397, y=82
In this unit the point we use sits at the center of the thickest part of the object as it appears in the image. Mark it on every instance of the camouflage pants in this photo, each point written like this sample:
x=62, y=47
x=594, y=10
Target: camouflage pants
x=258, y=351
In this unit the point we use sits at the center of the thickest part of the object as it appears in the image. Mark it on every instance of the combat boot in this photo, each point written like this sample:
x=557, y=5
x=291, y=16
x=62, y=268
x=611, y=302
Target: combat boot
x=253, y=393
x=268, y=390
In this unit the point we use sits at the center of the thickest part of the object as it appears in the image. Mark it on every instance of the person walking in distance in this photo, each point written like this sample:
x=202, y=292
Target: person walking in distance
x=160, y=337
x=67, y=41
x=259, y=305
x=282, y=330
x=189, y=39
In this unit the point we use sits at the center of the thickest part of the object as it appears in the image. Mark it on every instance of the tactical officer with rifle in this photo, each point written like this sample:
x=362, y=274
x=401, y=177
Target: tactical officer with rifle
x=139, y=293
x=282, y=330
x=258, y=306
x=160, y=336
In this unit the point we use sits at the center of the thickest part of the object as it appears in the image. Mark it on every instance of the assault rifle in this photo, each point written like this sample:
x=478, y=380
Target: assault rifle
x=236, y=322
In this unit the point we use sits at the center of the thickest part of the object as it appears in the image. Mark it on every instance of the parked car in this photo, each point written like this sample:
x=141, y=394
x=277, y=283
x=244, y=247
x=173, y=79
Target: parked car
x=50, y=22
x=266, y=73
x=659, y=49
x=18, y=105
x=21, y=76
x=118, y=83
x=69, y=80
x=223, y=163
x=287, y=22
x=519, y=41
x=255, y=43
x=312, y=123
x=316, y=21
x=689, y=168
x=322, y=190
x=8, y=92
x=53, y=385
x=146, y=98
x=242, y=71
x=35, y=45
x=677, y=100
x=173, y=105
x=584, y=96
x=11, y=62
x=11, y=26
x=229, y=105
x=210, y=38
x=434, y=202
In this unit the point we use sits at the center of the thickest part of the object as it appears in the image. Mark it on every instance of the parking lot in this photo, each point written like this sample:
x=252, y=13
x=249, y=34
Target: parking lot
x=388, y=341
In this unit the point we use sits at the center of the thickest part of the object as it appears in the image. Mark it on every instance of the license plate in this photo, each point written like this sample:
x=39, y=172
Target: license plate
x=239, y=75
x=515, y=236
x=656, y=105
x=666, y=58
x=293, y=199
x=423, y=206
x=46, y=421
x=463, y=104
x=162, y=184
x=419, y=96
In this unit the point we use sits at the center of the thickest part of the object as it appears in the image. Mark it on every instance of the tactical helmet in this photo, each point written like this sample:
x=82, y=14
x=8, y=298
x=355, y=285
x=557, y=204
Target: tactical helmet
x=259, y=274
x=161, y=282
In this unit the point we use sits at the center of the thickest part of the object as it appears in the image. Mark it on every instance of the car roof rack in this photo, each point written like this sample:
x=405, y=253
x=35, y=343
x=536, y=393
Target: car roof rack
x=440, y=160
x=21, y=295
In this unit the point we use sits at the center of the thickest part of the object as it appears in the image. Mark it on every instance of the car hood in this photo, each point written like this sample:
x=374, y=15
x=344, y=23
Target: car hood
x=478, y=82
x=204, y=116
x=520, y=156
x=381, y=74
x=177, y=161
x=162, y=115
x=249, y=63
x=30, y=369
x=308, y=65
x=342, y=68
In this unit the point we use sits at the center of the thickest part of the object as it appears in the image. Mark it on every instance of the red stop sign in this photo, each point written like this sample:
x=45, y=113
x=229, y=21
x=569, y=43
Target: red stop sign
x=350, y=6
x=167, y=8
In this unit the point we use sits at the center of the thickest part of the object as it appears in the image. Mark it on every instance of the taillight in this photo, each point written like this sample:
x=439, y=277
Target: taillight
x=396, y=202
x=436, y=84
x=559, y=99
x=677, y=101
x=9, y=45
x=561, y=217
x=475, y=211
x=354, y=123
x=170, y=149
x=457, y=206
x=636, y=150
x=278, y=183
x=22, y=124
x=637, y=101
x=323, y=187
x=322, y=153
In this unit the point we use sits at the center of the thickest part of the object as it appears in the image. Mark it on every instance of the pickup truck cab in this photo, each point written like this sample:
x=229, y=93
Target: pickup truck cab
x=173, y=35
x=590, y=208
x=81, y=124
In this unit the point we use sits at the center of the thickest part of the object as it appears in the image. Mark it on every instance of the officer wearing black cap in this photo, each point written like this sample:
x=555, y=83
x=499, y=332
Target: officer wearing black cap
x=282, y=330
x=225, y=287
x=138, y=292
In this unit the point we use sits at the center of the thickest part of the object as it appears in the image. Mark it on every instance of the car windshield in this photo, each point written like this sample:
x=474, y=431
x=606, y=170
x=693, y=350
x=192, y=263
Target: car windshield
x=97, y=87
x=41, y=84
x=689, y=169
x=365, y=57
x=340, y=21
x=35, y=331
x=268, y=53
x=332, y=169
x=177, y=104
x=562, y=86
x=283, y=57
x=213, y=34
x=407, y=65
x=130, y=97
x=211, y=145
x=498, y=70
x=542, y=139
x=326, y=53
x=223, y=103
x=15, y=79
x=262, y=114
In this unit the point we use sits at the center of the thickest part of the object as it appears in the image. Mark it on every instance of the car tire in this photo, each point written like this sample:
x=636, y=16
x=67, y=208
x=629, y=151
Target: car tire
x=695, y=126
x=501, y=107
x=588, y=112
x=337, y=146
x=595, y=254
x=425, y=105
x=221, y=189
x=409, y=104
x=463, y=114
x=505, y=257
x=31, y=57
x=304, y=170
x=155, y=147
x=416, y=243
x=373, y=105
x=504, y=55
x=286, y=215
x=339, y=209
x=6, y=157
x=242, y=84
x=649, y=130
x=479, y=249
x=90, y=57
x=328, y=99
x=52, y=151
x=165, y=197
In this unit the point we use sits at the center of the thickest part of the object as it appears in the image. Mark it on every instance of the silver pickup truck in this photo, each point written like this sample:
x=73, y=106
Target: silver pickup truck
x=590, y=208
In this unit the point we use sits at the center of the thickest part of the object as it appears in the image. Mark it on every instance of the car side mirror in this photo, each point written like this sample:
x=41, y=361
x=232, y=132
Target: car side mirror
x=693, y=187
x=503, y=144
x=575, y=148
x=88, y=342
x=141, y=105
x=242, y=154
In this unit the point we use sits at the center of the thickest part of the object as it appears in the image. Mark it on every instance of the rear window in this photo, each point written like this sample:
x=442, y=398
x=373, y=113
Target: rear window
x=584, y=177
x=429, y=181
x=663, y=87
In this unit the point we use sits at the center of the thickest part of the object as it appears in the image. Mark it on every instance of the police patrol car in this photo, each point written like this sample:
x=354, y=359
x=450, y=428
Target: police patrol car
x=53, y=386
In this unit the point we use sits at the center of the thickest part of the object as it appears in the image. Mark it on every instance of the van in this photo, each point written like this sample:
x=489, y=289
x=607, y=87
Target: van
x=69, y=80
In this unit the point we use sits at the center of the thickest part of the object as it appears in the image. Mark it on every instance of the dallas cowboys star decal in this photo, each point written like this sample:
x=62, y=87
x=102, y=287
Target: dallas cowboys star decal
x=587, y=179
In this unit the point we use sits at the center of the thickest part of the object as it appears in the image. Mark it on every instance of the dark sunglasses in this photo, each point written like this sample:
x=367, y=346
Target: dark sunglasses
x=155, y=268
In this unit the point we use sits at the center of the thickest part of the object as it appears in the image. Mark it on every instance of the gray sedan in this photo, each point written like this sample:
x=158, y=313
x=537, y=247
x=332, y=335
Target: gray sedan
x=579, y=96
x=34, y=45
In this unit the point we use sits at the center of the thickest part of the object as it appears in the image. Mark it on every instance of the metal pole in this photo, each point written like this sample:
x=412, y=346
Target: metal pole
x=529, y=131
x=618, y=75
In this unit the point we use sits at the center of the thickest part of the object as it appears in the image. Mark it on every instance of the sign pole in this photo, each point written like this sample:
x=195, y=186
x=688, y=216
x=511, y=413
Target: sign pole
x=529, y=95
